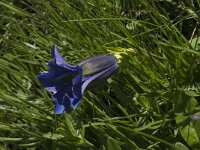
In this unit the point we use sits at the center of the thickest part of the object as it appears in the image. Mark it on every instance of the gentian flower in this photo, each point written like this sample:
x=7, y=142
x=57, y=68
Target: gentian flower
x=68, y=82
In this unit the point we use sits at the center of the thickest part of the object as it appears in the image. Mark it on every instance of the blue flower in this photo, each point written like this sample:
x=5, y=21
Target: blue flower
x=68, y=82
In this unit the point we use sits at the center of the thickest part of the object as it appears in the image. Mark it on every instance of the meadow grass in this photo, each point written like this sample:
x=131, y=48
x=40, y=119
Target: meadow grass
x=152, y=102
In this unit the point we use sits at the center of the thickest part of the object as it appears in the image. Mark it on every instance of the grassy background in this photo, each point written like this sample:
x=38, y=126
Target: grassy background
x=151, y=103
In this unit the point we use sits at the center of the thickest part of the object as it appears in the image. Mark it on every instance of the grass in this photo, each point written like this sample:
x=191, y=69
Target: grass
x=151, y=103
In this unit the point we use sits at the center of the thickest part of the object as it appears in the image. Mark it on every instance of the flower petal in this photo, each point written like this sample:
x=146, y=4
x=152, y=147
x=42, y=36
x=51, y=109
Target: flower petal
x=77, y=90
x=47, y=79
x=96, y=64
x=58, y=60
x=58, y=108
x=51, y=89
x=75, y=102
x=101, y=75
x=77, y=83
x=61, y=101
x=58, y=76
x=56, y=88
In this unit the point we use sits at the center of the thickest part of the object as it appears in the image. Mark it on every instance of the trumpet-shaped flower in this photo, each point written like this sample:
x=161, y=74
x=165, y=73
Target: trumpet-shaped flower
x=68, y=82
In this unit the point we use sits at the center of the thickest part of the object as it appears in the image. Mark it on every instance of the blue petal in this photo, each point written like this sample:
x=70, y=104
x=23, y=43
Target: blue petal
x=75, y=102
x=58, y=108
x=96, y=64
x=77, y=83
x=47, y=79
x=109, y=72
x=61, y=101
x=74, y=99
x=101, y=75
x=56, y=88
x=57, y=76
x=51, y=89
x=58, y=60
x=63, y=75
x=77, y=90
